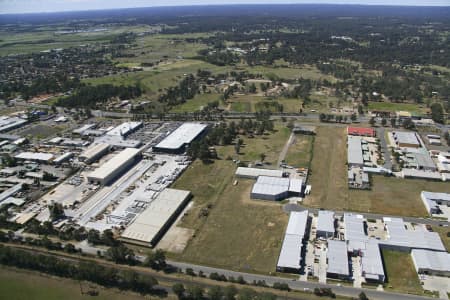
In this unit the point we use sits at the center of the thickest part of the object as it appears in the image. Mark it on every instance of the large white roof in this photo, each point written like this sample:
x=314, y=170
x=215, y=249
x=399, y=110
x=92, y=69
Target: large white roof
x=354, y=151
x=354, y=227
x=124, y=128
x=149, y=223
x=256, y=172
x=297, y=223
x=115, y=163
x=184, y=134
x=35, y=156
x=325, y=221
x=371, y=261
x=403, y=137
x=94, y=150
x=431, y=260
x=337, y=258
x=290, y=254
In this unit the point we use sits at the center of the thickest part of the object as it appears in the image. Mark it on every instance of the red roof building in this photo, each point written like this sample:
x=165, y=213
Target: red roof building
x=361, y=131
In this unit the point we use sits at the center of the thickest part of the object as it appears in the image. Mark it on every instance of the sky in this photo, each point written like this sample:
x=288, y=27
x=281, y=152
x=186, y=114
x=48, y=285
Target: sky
x=33, y=6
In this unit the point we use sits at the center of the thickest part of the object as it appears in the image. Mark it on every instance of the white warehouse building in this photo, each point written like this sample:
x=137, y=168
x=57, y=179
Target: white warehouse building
x=114, y=167
x=431, y=262
x=149, y=227
x=177, y=141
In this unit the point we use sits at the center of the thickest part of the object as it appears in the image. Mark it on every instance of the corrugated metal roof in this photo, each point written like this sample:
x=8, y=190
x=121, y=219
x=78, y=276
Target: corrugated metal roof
x=337, y=258
x=114, y=163
x=149, y=223
x=403, y=137
x=184, y=134
x=256, y=172
x=297, y=223
x=94, y=150
x=354, y=227
x=35, y=156
x=290, y=254
x=354, y=151
x=371, y=261
x=431, y=260
x=325, y=221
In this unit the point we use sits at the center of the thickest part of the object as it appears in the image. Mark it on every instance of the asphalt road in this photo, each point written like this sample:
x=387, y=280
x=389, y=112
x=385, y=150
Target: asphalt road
x=300, y=285
x=384, y=148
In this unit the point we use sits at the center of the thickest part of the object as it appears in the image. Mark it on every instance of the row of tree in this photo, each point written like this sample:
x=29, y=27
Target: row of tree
x=89, y=271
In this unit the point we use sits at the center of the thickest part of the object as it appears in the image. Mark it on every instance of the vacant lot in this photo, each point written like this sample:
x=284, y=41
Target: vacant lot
x=389, y=195
x=300, y=151
x=400, y=272
x=21, y=284
x=389, y=106
x=42, y=131
x=240, y=233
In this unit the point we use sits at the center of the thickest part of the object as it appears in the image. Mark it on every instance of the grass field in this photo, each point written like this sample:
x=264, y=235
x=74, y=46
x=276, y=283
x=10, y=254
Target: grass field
x=389, y=106
x=240, y=233
x=247, y=103
x=389, y=195
x=400, y=272
x=299, y=153
x=197, y=103
x=21, y=284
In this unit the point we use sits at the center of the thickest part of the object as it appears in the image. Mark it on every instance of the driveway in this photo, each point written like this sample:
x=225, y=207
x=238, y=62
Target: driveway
x=384, y=148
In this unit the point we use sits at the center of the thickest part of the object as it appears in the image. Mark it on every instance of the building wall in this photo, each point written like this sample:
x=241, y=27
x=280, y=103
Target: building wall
x=114, y=174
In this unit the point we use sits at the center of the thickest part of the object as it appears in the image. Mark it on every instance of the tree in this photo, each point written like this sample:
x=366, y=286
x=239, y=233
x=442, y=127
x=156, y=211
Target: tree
x=195, y=292
x=48, y=176
x=215, y=293
x=230, y=292
x=237, y=148
x=362, y=296
x=408, y=124
x=353, y=117
x=262, y=156
x=120, y=254
x=156, y=260
x=93, y=237
x=393, y=122
x=383, y=122
x=372, y=121
x=437, y=113
x=323, y=117
x=178, y=289
x=56, y=211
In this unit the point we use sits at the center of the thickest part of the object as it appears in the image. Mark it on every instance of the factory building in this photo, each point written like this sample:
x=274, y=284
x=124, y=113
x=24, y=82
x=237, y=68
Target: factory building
x=337, y=260
x=290, y=259
x=371, y=262
x=420, y=160
x=125, y=128
x=114, y=167
x=276, y=188
x=325, y=224
x=177, y=141
x=10, y=123
x=443, y=162
x=433, y=200
x=151, y=225
x=354, y=152
x=94, y=153
x=406, y=139
x=254, y=173
x=401, y=239
x=82, y=129
x=63, y=158
x=35, y=156
x=431, y=262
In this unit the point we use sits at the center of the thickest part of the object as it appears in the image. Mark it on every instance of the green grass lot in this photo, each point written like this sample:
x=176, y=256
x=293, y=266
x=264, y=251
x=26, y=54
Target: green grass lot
x=18, y=284
x=241, y=234
x=152, y=48
x=153, y=81
x=389, y=195
x=400, y=272
x=47, y=38
x=294, y=72
x=247, y=103
x=300, y=151
x=443, y=234
x=321, y=103
x=196, y=103
x=390, y=106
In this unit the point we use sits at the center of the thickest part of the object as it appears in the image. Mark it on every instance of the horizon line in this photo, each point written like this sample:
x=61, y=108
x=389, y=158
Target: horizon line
x=228, y=4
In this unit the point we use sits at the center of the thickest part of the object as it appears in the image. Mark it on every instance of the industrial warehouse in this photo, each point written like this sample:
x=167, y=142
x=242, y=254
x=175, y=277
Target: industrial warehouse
x=114, y=167
x=177, y=140
x=151, y=224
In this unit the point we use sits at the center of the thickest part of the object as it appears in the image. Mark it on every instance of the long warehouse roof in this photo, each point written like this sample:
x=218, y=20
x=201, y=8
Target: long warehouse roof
x=255, y=172
x=354, y=152
x=184, y=134
x=432, y=260
x=94, y=150
x=114, y=163
x=150, y=222
x=337, y=258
